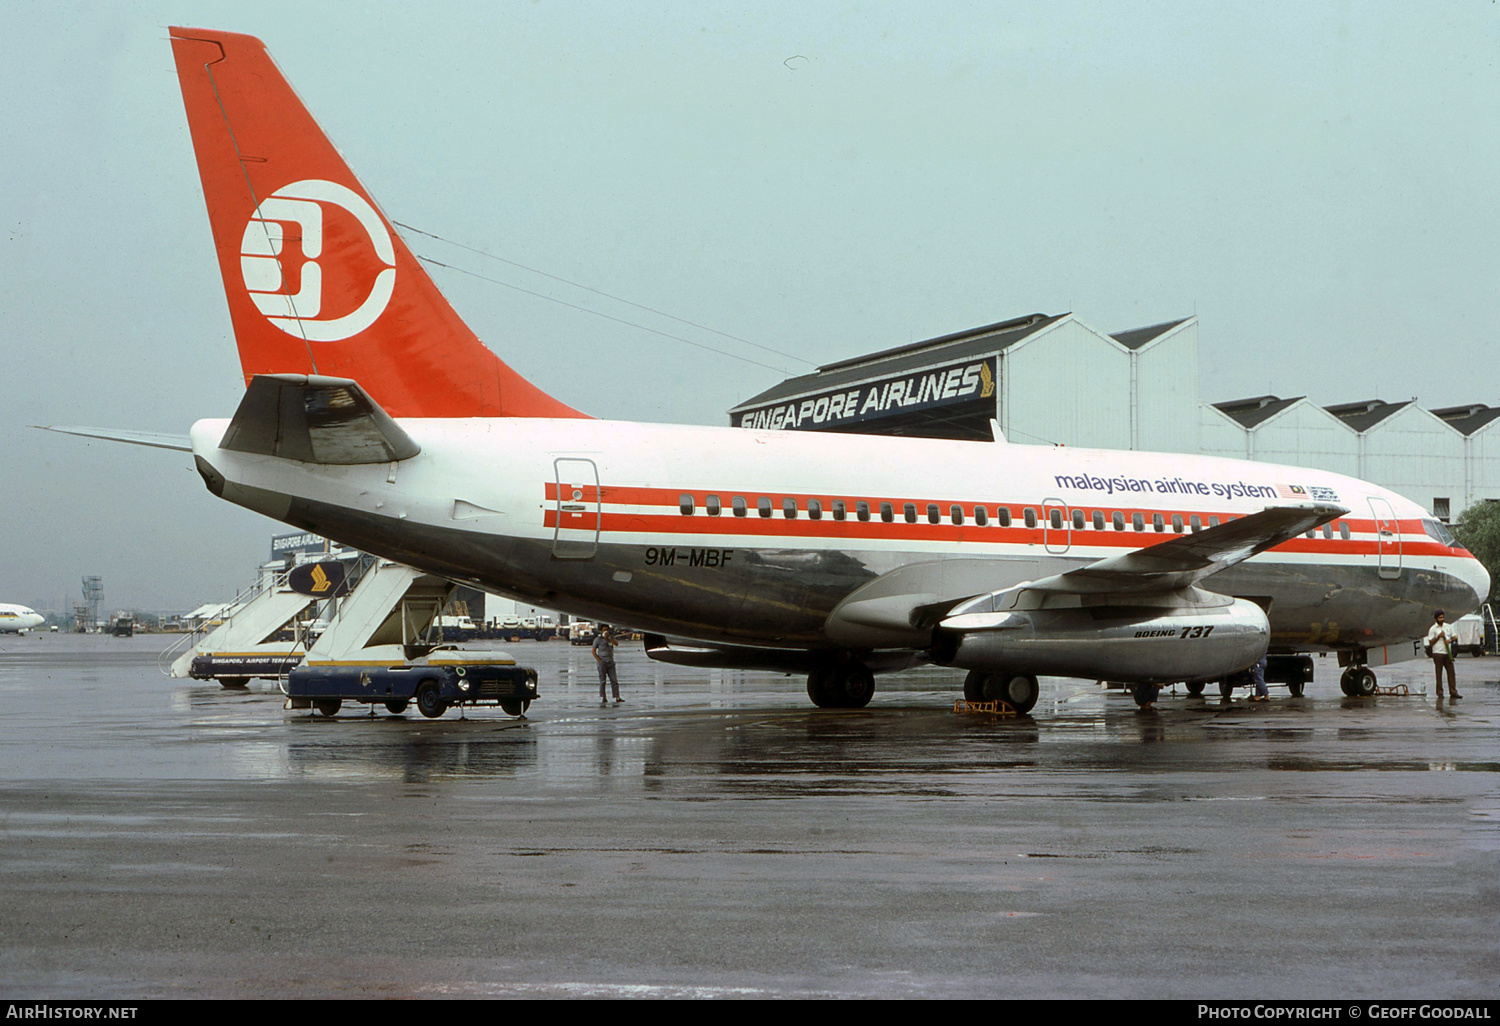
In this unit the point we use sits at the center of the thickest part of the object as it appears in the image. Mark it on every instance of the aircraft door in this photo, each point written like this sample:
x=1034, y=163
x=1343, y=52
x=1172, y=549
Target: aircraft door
x=577, y=533
x=1388, y=538
x=1057, y=532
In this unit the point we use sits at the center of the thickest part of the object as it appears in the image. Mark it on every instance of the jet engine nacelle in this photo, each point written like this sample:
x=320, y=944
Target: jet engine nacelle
x=1132, y=644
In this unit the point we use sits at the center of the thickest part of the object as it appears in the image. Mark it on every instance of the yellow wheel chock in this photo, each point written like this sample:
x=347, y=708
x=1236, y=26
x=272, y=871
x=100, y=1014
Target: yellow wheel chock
x=999, y=707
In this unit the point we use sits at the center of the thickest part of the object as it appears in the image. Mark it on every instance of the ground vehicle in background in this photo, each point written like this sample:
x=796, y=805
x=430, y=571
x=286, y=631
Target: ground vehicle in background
x=1470, y=631
x=442, y=678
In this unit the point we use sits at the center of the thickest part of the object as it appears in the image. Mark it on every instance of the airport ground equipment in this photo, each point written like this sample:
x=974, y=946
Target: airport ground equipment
x=1473, y=630
x=255, y=635
x=443, y=678
x=384, y=645
x=995, y=708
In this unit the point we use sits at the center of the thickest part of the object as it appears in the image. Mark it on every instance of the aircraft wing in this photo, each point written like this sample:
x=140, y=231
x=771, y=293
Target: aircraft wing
x=1188, y=558
x=154, y=439
x=902, y=607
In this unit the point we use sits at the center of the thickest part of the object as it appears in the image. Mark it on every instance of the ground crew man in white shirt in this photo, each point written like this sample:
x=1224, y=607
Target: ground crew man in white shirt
x=1440, y=642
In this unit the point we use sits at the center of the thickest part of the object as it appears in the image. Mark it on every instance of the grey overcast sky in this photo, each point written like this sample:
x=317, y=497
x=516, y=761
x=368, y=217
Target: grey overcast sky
x=1316, y=181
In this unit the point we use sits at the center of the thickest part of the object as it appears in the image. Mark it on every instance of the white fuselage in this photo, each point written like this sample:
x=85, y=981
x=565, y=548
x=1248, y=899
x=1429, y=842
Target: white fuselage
x=754, y=536
x=16, y=619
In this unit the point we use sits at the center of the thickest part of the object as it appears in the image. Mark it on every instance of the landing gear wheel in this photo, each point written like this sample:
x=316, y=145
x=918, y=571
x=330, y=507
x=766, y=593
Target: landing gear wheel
x=1195, y=687
x=430, y=700
x=514, y=707
x=1019, y=690
x=328, y=706
x=1226, y=688
x=1358, y=682
x=848, y=685
x=397, y=706
x=1295, y=684
x=818, y=688
x=234, y=682
x=856, y=686
x=1144, y=694
x=974, y=686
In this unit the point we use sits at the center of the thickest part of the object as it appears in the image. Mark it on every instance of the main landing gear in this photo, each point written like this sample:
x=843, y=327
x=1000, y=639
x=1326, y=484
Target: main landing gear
x=1358, y=682
x=1019, y=690
x=846, y=684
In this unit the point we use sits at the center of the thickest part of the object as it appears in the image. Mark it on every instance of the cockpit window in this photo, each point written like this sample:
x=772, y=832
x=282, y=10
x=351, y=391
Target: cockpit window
x=1437, y=531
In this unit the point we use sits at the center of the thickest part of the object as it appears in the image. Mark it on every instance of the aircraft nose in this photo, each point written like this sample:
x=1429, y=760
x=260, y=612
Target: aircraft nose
x=1477, y=577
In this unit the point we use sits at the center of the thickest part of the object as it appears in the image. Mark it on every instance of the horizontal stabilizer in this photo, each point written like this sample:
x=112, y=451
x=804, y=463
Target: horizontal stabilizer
x=154, y=439
x=315, y=420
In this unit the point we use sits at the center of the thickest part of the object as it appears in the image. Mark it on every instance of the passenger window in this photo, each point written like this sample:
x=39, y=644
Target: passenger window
x=1078, y=519
x=862, y=510
x=685, y=503
x=1029, y=515
x=814, y=509
x=980, y=516
x=1213, y=521
x=739, y=505
x=1157, y=523
x=1118, y=519
x=1328, y=531
x=910, y=512
x=1098, y=519
x=887, y=512
x=1138, y=521
x=1176, y=523
x=713, y=505
x=1196, y=523
x=838, y=509
x=789, y=508
x=1056, y=519
x=1344, y=529
x=763, y=506
x=1002, y=513
x=934, y=515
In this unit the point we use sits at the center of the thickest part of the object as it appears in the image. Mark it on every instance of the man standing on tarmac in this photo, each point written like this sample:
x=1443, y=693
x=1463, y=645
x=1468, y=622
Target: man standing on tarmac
x=1440, y=642
x=604, y=655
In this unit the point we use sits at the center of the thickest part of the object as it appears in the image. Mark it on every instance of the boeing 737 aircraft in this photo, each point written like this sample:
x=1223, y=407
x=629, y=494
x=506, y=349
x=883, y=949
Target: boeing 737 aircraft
x=16, y=619
x=373, y=415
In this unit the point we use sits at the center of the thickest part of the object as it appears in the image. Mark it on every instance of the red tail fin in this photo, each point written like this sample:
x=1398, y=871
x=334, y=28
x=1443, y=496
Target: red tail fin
x=318, y=281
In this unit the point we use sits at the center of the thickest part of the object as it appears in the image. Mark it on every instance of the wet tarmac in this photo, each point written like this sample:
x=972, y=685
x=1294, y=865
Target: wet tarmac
x=718, y=836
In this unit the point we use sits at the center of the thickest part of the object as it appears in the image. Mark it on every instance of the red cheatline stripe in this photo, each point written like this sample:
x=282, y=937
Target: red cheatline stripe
x=777, y=525
x=878, y=531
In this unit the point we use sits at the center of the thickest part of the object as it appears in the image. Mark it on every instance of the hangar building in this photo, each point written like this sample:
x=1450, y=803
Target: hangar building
x=1052, y=379
x=1043, y=379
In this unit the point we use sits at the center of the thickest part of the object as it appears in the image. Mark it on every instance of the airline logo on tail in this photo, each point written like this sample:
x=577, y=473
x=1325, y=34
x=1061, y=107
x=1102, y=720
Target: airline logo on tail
x=283, y=249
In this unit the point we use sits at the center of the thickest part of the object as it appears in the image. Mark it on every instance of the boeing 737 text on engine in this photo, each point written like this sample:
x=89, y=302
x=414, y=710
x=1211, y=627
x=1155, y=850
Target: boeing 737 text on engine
x=374, y=416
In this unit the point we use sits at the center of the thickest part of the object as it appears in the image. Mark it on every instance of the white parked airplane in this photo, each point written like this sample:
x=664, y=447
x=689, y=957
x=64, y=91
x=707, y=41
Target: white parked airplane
x=374, y=416
x=16, y=619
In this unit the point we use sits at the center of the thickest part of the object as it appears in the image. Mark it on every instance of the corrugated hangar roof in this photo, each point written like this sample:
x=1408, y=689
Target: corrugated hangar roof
x=957, y=346
x=1137, y=337
x=1256, y=410
x=960, y=345
x=1364, y=415
x=1468, y=419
